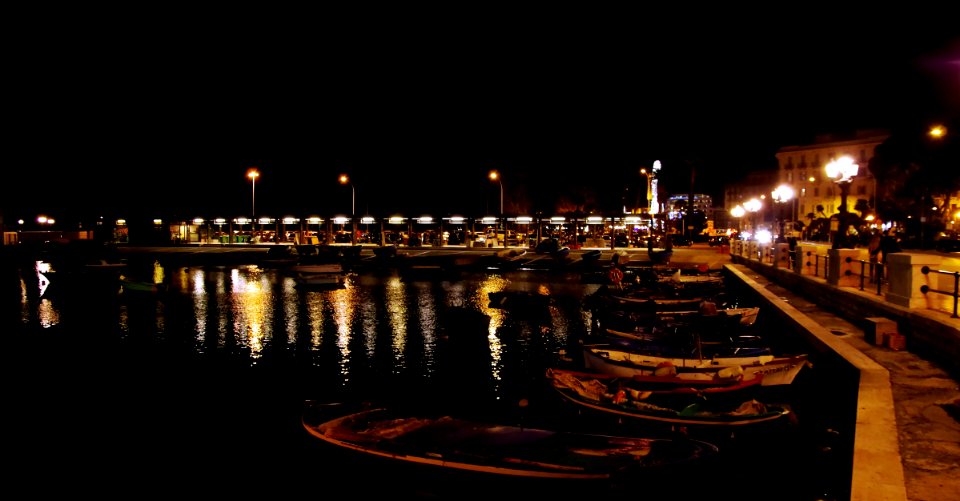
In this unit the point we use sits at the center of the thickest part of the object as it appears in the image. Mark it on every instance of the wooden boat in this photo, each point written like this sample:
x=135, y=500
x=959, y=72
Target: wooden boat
x=655, y=302
x=131, y=285
x=668, y=384
x=561, y=254
x=385, y=252
x=280, y=256
x=747, y=315
x=509, y=254
x=649, y=325
x=673, y=403
x=496, y=449
x=591, y=256
x=620, y=258
x=626, y=362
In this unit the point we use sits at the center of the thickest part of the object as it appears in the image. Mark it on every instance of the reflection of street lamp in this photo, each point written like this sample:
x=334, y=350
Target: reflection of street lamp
x=353, y=208
x=495, y=176
x=253, y=175
x=780, y=195
x=842, y=171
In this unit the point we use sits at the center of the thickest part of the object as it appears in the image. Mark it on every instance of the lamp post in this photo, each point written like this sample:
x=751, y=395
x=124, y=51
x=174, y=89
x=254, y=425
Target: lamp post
x=253, y=175
x=344, y=179
x=842, y=171
x=649, y=177
x=781, y=194
x=738, y=213
x=495, y=176
x=753, y=206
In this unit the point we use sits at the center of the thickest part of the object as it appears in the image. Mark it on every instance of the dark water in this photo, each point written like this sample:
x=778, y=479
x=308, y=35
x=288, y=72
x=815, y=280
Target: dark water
x=200, y=389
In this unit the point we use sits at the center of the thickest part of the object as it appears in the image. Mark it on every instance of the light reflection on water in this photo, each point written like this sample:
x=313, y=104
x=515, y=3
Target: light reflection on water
x=377, y=324
x=379, y=335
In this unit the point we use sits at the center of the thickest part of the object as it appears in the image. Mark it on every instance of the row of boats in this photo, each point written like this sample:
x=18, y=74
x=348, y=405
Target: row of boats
x=663, y=349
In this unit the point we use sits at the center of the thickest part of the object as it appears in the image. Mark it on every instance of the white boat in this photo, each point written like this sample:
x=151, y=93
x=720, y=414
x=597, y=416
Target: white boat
x=609, y=359
x=319, y=275
x=748, y=315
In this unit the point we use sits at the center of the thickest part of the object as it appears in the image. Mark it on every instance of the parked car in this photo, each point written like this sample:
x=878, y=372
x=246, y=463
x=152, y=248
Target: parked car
x=948, y=243
x=718, y=240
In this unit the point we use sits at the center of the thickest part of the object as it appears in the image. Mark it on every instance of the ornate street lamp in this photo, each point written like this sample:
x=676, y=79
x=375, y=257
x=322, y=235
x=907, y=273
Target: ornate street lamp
x=842, y=171
x=753, y=206
x=780, y=195
x=738, y=213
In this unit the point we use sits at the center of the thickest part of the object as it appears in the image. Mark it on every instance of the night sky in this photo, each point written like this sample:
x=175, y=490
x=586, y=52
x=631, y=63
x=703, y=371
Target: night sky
x=166, y=117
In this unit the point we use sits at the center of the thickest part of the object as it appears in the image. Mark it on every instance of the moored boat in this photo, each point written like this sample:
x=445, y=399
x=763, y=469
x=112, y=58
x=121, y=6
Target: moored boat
x=497, y=449
x=709, y=405
x=625, y=362
x=132, y=285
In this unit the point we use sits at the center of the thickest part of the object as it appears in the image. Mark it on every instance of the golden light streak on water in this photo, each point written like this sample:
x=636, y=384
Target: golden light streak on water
x=397, y=315
x=427, y=315
x=493, y=283
x=159, y=277
x=200, y=298
x=290, y=318
x=47, y=314
x=252, y=300
x=343, y=318
x=315, y=316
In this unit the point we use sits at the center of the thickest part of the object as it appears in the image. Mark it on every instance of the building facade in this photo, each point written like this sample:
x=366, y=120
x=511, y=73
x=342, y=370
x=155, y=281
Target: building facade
x=803, y=169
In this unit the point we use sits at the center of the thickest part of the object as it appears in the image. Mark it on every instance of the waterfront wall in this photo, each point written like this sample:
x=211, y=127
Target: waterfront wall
x=832, y=278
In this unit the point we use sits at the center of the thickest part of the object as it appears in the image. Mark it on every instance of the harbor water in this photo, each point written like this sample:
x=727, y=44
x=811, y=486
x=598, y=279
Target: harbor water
x=199, y=387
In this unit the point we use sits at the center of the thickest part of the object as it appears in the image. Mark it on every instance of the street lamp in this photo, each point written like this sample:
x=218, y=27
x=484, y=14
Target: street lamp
x=253, y=175
x=842, y=171
x=781, y=194
x=738, y=213
x=646, y=174
x=753, y=206
x=353, y=208
x=495, y=176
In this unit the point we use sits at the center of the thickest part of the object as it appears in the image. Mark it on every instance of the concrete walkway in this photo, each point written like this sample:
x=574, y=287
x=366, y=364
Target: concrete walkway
x=907, y=444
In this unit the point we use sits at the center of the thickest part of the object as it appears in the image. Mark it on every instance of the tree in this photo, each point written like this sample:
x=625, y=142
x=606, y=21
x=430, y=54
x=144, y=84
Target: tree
x=862, y=206
x=912, y=168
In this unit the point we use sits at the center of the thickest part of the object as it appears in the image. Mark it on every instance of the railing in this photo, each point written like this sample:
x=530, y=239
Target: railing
x=805, y=260
x=956, y=285
x=872, y=271
x=816, y=264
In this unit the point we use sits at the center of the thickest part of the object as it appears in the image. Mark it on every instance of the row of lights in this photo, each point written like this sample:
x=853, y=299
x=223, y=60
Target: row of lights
x=841, y=170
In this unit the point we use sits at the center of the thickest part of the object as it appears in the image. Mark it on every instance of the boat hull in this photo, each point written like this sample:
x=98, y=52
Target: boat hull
x=501, y=450
x=774, y=370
